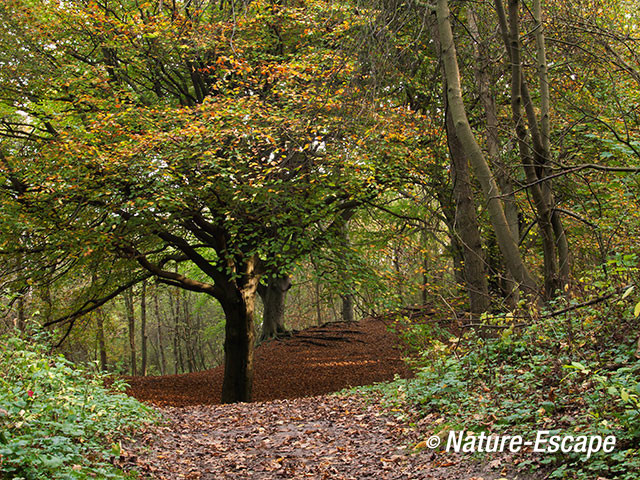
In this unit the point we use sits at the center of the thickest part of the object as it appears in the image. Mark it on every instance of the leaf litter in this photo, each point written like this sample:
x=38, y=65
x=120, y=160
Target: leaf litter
x=295, y=430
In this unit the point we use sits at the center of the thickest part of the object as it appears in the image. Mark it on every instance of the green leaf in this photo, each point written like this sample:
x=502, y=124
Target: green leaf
x=628, y=292
x=624, y=395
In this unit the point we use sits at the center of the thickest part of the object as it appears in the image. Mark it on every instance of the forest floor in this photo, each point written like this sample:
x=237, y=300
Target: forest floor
x=314, y=361
x=294, y=430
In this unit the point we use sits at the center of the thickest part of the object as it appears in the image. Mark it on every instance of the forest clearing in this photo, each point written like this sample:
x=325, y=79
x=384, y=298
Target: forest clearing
x=320, y=239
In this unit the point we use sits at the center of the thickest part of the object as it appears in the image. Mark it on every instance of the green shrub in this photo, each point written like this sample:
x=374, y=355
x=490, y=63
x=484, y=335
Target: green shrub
x=567, y=373
x=57, y=420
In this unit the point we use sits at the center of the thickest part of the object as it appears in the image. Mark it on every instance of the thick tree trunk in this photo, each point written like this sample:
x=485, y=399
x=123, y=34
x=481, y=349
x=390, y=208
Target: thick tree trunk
x=273, y=299
x=347, y=298
x=508, y=247
x=346, y=311
x=238, y=346
x=238, y=302
x=318, y=300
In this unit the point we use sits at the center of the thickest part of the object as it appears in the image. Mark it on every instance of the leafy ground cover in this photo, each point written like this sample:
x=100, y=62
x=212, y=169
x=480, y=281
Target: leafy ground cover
x=572, y=371
x=57, y=421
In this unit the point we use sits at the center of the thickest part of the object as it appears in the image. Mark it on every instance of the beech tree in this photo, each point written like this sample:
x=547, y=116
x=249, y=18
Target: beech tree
x=148, y=135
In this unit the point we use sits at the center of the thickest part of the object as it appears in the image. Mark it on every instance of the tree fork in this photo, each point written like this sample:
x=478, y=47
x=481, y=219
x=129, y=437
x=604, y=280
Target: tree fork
x=507, y=245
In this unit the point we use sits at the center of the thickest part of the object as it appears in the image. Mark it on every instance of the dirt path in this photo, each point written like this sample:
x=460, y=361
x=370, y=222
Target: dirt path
x=294, y=430
x=323, y=437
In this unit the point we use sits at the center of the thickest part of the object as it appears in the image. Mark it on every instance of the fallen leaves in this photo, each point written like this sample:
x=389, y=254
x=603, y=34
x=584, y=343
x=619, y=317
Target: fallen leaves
x=316, y=361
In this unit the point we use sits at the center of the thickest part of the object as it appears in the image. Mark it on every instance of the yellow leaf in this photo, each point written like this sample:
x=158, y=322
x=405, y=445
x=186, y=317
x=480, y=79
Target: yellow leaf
x=636, y=311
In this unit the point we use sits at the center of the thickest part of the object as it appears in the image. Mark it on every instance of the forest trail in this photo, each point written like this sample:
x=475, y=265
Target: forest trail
x=293, y=430
x=321, y=437
x=314, y=361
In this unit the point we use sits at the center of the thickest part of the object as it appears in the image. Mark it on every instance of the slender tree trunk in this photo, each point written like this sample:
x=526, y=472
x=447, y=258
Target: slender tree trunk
x=163, y=361
x=425, y=266
x=466, y=225
x=21, y=318
x=346, y=311
x=128, y=301
x=564, y=266
x=508, y=247
x=543, y=208
x=504, y=177
x=273, y=299
x=101, y=344
x=536, y=164
x=143, y=328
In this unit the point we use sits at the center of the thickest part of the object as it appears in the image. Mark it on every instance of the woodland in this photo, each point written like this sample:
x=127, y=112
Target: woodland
x=187, y=183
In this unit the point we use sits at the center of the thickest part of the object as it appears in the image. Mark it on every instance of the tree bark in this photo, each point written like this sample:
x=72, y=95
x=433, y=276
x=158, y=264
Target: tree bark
x=273, y=299
x=564, y=266
x=466, y=224
x=131, y=321
x=509, y=288
x=21, y=317
x=508, y=247
x=346, y=311
x=162, y=361
x=238, y=306
x=143, y=328
x=102, y=351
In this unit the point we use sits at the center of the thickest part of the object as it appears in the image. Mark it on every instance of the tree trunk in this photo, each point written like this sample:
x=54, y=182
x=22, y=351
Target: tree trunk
x=143, y=328
x=128, y=301
x=509, y=287
x=101, y=345
x=163, y=360
x=273, y=299
x=425, y=266
x=508, y=247
x=318, y=304
x=466, y=225
x=238, y=346
x=21, y=318
x=564, y=267
x=346, y=311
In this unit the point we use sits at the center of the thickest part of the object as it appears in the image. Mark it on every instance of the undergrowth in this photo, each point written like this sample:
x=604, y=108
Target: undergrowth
x=57, y=420
x=574, y=373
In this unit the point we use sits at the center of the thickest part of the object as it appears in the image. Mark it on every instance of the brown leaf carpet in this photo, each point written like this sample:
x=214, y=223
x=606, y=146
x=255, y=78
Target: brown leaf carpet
x=314, y=361
x=283, y=436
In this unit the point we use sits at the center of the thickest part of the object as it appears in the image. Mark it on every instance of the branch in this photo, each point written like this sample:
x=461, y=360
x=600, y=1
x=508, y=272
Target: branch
x=176, y=279
x=586, y=304
x=578, y=168
x=92, y=304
